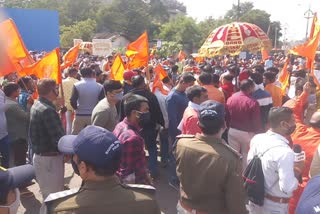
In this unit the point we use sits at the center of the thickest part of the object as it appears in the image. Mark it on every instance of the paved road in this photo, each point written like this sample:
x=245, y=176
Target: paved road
x=166, y=196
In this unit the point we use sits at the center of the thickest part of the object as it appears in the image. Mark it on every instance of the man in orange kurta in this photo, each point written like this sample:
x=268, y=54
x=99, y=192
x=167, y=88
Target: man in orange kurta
x=275, y=91
x=308, y=137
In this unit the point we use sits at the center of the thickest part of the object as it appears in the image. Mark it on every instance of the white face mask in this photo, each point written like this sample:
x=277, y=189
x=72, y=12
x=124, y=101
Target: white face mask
x=13, y=208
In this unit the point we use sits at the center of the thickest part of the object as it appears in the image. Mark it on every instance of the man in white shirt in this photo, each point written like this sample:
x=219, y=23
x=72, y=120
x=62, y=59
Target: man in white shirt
x=279, y=169
x=4, y=140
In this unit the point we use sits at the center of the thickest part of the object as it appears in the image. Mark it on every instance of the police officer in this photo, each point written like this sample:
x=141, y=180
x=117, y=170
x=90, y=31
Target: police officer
x=208, y=169
x=96, y=157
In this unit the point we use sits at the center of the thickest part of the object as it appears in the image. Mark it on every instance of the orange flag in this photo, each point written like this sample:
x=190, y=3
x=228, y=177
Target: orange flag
x=313, y=26
x=309, y=48
x=265, y=54
x=309, y=62
x=181, y=55
x=138, y=52
x=160, y=74
x=117, y=68
x=14, y=54
x=70, y=57
x=284, y=76
x=47, y=67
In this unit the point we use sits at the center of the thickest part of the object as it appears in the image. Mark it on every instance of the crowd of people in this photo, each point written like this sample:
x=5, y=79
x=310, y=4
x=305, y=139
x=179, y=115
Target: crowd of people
x=208, y=117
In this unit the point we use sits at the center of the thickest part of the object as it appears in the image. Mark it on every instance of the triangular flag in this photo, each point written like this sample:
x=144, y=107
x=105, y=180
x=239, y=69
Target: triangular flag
x=138, y=52
x=284, y=76
x=160, y=74
x=315, y=22
x=313, y=26
x=117, y=68
x=309, y=48
x=181, y=55
x=14, y=54
x=70, y=57
x=47, y=67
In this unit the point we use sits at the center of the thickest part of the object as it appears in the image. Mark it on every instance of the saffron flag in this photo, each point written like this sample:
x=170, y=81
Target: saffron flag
x=117, y=68
x=70, y=57
x=309, y=48
x=181, y=56
x=309, y=62
x=13, y=54
x=284, y=76
x=313, y=26
x=47, y=67
x=138, y=52
x=160, y=74
x=265, y=54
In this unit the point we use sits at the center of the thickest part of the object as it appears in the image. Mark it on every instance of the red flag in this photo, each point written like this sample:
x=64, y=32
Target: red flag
x=70, y=57
x=138, y=52
x=47, y=67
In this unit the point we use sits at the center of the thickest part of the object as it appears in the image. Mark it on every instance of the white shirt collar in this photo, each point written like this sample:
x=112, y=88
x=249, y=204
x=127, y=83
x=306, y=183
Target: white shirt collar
x=194, y=106
x=280, y=137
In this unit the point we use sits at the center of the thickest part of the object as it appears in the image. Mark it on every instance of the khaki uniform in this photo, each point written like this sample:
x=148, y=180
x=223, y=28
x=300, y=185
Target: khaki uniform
x=108, y=197
x=210, y=175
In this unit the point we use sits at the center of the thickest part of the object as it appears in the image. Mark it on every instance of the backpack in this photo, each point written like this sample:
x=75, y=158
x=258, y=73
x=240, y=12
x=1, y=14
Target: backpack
x=253, y=180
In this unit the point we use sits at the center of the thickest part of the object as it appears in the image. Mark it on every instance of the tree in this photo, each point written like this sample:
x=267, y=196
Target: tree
x=80, y=30
x=182, y=30
x=245, y=7
x=255, y=16
x=175, y=5
x=169, y=49
x=130, y=17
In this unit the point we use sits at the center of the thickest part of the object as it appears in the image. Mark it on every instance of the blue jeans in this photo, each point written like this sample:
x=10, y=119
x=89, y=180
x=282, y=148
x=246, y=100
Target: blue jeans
x=150, y=137
x=4, y=151
x=164, y=142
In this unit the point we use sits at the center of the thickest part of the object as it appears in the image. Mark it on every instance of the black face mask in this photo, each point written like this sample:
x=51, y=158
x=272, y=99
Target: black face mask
x=144, y=119
x=75, y=167
x=291, y=129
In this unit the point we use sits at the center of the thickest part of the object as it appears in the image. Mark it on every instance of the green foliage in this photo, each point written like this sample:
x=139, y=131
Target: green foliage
x=80, y=30
x=130, y=17
x=245, y=7
x=83, y=18
x=255, y=16
x=169, y=49
x=183, y=30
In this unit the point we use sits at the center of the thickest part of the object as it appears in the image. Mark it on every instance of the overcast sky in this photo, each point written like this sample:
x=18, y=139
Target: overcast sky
x=289, y=12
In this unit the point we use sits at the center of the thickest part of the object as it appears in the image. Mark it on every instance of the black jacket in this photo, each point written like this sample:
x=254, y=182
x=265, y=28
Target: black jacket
x=154, y=107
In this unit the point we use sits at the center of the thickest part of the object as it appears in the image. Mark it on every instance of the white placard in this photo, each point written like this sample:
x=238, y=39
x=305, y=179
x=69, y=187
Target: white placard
x=101, y=47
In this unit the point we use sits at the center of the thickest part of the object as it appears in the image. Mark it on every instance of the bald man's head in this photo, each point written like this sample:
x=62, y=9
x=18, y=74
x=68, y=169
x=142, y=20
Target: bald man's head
x=315, y=120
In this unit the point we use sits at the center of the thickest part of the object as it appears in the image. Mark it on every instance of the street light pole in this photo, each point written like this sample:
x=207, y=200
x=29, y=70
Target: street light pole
x=275, y=36
x=238, y=11
x=308, y=15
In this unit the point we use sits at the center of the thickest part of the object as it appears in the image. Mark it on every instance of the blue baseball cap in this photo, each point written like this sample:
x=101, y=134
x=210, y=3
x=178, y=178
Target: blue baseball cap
x=211, y=110
x=94, y=145
x=15, y=177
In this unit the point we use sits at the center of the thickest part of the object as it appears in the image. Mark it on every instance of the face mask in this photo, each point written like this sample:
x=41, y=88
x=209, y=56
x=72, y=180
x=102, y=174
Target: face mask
x=119, y=96
x=144, y=118
x=291, y=129
x=13, y=208
x=75, y=167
